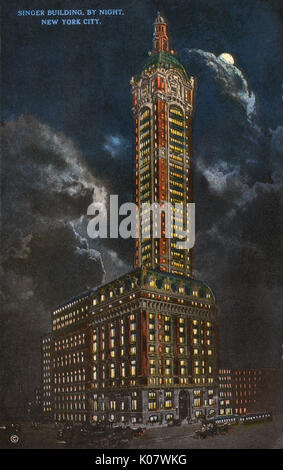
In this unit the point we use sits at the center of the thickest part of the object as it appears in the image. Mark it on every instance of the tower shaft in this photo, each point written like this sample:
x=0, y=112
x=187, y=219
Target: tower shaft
x=163, y=106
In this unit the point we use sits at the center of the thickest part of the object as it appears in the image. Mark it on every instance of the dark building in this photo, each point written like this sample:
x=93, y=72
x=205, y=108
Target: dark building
x=258, y=390
x=143, y=348
x=244, y=391
x=270, y=390
x=246, y=385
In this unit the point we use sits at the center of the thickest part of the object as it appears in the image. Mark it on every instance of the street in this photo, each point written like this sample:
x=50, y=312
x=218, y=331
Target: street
x=267, y=435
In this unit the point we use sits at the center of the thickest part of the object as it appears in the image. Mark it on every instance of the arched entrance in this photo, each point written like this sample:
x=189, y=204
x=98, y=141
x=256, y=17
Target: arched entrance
x=184, y=404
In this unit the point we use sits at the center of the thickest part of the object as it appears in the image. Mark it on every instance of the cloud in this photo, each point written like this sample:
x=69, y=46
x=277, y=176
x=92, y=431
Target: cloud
x=239, y=195
x=116, y=145
x=229, y=77
x=46, y=189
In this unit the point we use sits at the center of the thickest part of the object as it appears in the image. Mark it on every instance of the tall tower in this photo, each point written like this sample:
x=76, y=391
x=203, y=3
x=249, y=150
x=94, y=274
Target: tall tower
x=143, y=348
x=163, y=96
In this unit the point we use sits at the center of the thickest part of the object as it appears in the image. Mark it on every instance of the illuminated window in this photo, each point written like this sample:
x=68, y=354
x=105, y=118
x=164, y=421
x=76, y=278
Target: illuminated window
x=152, y=368
x=112, y=371
x=133, y=327
x=133, y=368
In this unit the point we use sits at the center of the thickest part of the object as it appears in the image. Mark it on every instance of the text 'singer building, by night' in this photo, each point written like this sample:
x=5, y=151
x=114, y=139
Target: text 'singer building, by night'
x=143, y=348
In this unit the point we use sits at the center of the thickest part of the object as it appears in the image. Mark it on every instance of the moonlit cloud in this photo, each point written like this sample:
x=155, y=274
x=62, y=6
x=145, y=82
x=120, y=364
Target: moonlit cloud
x=220, y=175
x=116, y=145
x=232, y=81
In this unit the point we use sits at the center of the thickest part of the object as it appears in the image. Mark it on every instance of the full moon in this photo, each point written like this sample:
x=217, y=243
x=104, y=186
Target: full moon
x=227, y=58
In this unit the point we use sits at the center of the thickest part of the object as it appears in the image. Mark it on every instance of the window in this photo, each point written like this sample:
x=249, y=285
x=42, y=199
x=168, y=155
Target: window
x=152, y=368
x=133, y=368
x=168, y=367
x=133, y=326
x=153, y=419
x=112, y=371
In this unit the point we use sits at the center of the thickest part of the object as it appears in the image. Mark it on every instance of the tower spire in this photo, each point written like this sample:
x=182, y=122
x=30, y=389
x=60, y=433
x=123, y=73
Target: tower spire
x=162, y=38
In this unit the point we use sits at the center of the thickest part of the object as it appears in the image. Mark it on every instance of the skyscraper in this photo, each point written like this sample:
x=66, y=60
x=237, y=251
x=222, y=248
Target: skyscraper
x=163, y=106
x=143, y=348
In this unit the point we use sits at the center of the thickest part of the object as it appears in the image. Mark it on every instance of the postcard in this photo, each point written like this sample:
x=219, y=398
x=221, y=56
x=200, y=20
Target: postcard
x=142, y=184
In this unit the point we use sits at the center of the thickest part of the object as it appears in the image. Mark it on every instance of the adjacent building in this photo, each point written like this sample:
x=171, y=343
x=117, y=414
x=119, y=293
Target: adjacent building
x=226, y=392
x=46, y=375
x=246, y=385
x=244, y=391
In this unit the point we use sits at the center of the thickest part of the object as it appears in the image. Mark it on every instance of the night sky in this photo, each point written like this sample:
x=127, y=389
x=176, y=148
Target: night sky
x=68, y=138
